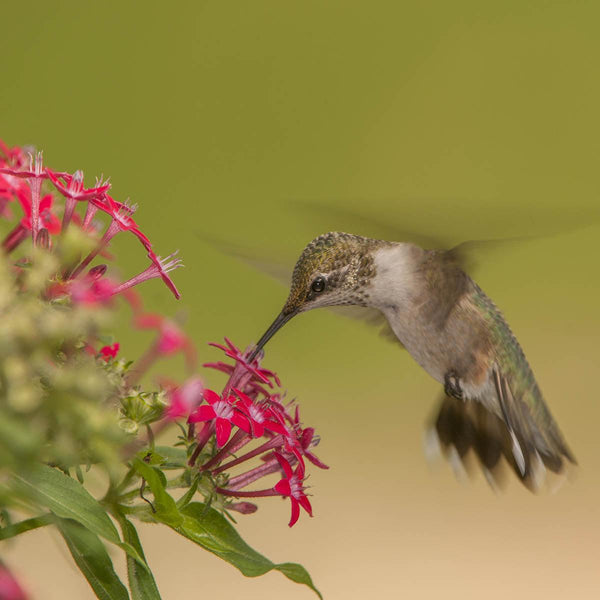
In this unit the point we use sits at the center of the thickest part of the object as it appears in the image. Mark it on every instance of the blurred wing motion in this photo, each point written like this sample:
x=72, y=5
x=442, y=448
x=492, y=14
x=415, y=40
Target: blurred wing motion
x=470, y=254
x=467, y=254
x=372, y=317
x=467, y=432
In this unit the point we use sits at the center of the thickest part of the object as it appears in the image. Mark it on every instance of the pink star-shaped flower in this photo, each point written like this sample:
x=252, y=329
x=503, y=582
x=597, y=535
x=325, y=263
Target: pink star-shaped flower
x=292, y=486
x=121, y=217
x=185, y=398
x=73, y=186
x=240, y=357
x=160, y=267
x=73, y=191
x=259, y=415
x=108, y=352
x=224, y=414
x=171, y=338
x=48, y=219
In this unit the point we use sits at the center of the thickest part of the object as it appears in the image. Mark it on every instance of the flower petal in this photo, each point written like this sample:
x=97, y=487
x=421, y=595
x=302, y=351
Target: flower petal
x=305, y=504
x=242, y=422
x=210, y=396
x=285, y=465
x=223, y=430
x=203, y=413
x=283, y=487
x=295, y=512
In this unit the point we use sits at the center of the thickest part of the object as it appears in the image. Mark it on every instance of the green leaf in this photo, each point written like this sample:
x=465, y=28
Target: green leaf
x=153, y=458
x=27, y=525
x=68, y=499
x=209, y=529
x=175, y=458
x=141, y=581
x=187, y=497
x=93, y=560
x=164, y=505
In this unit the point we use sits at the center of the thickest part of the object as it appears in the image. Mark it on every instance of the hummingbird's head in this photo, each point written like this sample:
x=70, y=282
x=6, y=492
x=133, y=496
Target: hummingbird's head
x=334, y=269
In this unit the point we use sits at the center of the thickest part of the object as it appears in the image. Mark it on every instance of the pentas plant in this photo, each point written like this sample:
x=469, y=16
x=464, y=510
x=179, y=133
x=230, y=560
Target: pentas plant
x=74, y=413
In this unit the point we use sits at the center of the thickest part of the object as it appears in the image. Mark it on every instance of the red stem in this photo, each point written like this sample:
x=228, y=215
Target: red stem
x=14, y=238
x=272, y=443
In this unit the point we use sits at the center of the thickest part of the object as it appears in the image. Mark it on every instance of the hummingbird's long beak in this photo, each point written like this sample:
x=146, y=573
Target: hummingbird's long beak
x=278, y=323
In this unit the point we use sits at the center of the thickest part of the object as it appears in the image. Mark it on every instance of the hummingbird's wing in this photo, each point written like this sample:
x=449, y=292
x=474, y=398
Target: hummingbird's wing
x=372, y=317
x=465, y=431
x=336, y=218
x=469, y=254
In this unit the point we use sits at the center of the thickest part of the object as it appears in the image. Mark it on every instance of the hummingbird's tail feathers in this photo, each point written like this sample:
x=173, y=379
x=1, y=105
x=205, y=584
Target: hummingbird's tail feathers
x=533, y=432
x=468, y=434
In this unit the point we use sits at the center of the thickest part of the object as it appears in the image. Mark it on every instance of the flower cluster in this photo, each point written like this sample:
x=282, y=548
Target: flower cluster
x=70, y=401
x=247, y=420
x=24, y=180
x=248, y=410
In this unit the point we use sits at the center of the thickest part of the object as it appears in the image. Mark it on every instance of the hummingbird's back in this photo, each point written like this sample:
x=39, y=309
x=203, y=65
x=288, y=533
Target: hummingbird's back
x=524, y=404
x=456, y=333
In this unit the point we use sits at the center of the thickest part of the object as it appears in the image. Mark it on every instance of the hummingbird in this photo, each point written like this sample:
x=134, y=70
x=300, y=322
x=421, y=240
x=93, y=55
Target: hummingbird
x=492, y=403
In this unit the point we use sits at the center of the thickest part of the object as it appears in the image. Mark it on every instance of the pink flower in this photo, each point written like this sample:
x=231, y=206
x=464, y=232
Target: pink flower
x=160, y=267
x=9, y=188
x=35, y=171
x=222, y=412
x=73, y=186
x=108, y=352
x=185, y=398
x=73, y=191
x=23, y=181
x=91, y=291
x=11, y=156
x=48, y=219
x=292, y=486
x=259, y=415
x=34, y=175
x=120, y=213
x=9, y=586
x=171, y=339
x=240, y=357
x=298, y=440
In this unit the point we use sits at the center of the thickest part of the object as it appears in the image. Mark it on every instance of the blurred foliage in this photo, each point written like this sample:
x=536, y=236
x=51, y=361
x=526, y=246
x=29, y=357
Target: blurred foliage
x=65, y=408
x=58, y=404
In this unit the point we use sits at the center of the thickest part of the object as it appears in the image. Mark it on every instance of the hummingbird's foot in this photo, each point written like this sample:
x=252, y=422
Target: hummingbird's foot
x=452, y=385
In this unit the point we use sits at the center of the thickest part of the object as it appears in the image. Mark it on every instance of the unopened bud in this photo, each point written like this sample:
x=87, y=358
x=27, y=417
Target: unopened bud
x=246, y=508
x=43, y=239
x=96, y=272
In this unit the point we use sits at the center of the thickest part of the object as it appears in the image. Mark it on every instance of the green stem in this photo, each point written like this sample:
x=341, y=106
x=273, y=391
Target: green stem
x=26, y=525
x=177, y=482
x=125, y=482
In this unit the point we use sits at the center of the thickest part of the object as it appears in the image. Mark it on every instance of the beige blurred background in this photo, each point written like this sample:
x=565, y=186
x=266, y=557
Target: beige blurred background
x=466, y=120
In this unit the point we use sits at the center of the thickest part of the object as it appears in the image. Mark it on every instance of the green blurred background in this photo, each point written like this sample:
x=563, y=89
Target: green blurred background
x=463, y=120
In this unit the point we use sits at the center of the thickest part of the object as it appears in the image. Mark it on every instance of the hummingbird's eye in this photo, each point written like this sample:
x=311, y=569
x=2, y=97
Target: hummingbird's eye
x=318, y=285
